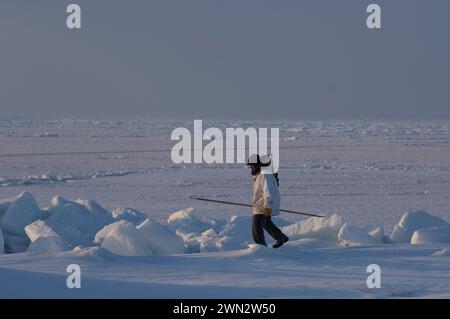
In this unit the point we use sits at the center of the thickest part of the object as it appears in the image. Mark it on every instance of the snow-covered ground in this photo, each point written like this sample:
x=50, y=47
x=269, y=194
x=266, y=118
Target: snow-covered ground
x=364, y=175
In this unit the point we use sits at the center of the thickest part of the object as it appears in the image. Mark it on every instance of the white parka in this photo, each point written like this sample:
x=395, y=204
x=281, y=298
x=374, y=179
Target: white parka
x=265, y=193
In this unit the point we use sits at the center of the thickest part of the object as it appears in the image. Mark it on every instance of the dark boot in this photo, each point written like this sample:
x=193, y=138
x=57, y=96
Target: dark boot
x=280, y=242
x=275, y=232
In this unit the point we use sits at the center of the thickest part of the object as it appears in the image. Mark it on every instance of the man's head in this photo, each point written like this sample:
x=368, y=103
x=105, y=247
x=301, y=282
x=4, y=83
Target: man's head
x=256, y=162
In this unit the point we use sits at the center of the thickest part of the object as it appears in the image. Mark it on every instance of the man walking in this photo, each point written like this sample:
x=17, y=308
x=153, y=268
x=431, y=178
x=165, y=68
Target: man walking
x=266, y=201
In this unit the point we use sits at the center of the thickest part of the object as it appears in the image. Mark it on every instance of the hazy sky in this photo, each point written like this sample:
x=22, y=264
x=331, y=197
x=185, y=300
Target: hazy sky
x=225, y=59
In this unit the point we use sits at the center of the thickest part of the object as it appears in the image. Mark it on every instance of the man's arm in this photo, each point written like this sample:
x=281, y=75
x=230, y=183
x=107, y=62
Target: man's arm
x=267, y=196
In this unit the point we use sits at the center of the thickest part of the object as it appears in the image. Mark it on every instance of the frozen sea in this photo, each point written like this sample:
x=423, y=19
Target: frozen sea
x=370, y=172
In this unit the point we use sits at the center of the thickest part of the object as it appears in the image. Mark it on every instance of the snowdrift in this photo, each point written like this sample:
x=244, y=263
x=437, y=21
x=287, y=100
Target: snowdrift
x=4, y=205
x=2, y=243
x=184, y=223
x=125, y=240
x=129, y=214
x=321, y=228
x=431, y=235
x=160, y=239
x=128, y=232
x=77, y=222
x=412, y=221
x=102, y=233
x=353, y=235
x=44, y=239
x=20, y=212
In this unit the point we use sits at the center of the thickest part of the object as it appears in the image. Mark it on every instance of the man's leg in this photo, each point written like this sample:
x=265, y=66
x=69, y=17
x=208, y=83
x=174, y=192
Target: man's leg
x=257, y=229
x=273, y=230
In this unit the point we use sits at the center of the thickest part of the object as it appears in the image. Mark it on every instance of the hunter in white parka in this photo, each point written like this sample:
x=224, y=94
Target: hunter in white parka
x=265, y=193
x=266, y=201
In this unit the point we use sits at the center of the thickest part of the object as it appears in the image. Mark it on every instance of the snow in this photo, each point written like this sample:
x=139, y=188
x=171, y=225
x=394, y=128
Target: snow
x=235, y=235
x=102, y=233
x=209, y=241
x=15, y=244
x=160, y=239
x=77, y=223
x=376, y=232
x=44, y=239
x=431, y=235
x=316, y=227
x=47, y=245
x=126, y=240
x=367, y=172
x=296, y=271
x=442, y=253
x=93, y=207
x=350, y=235
x=184, y=222
x=412, y=221
x=21, y=212
x=2, y=243
x=4, y=205
x=128, y=214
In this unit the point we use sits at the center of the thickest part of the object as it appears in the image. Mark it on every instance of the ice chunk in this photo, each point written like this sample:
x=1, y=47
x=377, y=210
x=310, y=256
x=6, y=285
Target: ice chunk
x=218, y=224
x=237, y=234
x=4, y=205
x=376, y=232
x=209, y=241
x=2, y=243
x=130, y=215
x=20, y=213
x=44, y=239
x=161, y=240
x=76, y=223
x=39, y=229
x=102, y=233
x=48, y=245
x=15, y=244
x=431, y=235
x=350, y=235
x=326, y=228
x=399, y=235
x=412, y=221
x=184, y=222
x=92, y=206
x=126, y=240
x=442, y=253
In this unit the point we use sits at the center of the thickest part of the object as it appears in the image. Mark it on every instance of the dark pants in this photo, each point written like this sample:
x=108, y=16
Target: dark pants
x=261, y=222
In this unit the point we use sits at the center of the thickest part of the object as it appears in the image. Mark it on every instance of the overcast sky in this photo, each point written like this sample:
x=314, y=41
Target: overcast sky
x=279, y=59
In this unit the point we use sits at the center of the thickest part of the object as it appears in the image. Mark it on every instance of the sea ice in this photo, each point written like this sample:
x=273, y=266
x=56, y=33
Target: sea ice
x=412, y=221
x=350, y=235
x=20, y=213
x=184, y=222
x=75, y=222
x=44, y=239
x=130, y=215
x=376, y=232
x=15, y=244
x=431, y=235
x=2, y=243
x=102, y=233
x=161, y=240
x=126, y=240
x=326, y=228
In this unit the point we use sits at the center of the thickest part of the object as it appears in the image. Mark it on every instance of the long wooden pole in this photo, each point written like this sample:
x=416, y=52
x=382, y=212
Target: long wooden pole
x=248, y=205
